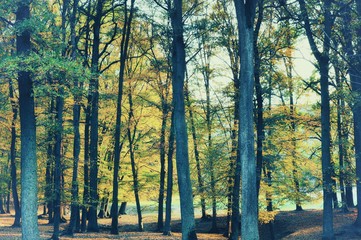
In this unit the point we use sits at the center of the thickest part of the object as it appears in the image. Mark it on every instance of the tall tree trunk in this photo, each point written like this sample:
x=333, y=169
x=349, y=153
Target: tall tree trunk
x=340, y=139
x=57, y=167
x=206, y=75
x=168, y=211
x=29, y=180
x=94, y=121
x=58, y=135
x=356, y=88
x=162, y=150
x=323, y=63
x=49, y=172
x=117, y=148
x=14, y=184
x=245, y=12
x=182, y=158
x=84, y=216
x=75, y=212
x=348, y=49
x=131, y=138
x=232, y=230
x=295, y=174
x=84, y=208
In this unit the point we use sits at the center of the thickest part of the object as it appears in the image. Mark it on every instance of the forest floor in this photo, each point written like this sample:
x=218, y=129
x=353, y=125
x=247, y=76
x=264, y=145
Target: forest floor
x=287, y=225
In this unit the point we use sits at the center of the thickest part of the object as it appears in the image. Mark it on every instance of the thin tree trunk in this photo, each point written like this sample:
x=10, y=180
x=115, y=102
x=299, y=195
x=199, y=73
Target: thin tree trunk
x=117, y=148
x=14, y=184
x=162, y=166
x=49, y=172
x=168, y=211
x=84, y=208
x=131, y=135
x=57, y=167
x=75, y=211
x=58, y=134
x=348, y=49
x=29, y=180
x=196, y=153
x=295, y=177
x=340, y=141
x=233, y=217
x=84, y=216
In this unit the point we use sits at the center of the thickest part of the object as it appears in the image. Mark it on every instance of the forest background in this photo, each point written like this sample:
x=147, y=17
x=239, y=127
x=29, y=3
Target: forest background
x=97, y=97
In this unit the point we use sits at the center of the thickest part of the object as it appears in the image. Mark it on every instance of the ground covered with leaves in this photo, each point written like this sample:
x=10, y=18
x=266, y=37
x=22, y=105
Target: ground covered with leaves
x=287, y=225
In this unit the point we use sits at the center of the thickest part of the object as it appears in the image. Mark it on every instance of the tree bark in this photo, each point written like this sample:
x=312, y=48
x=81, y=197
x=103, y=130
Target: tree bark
x=84, y=208
x=168, y=211
x=323, y=64
x=131, y=135
x=117, y=148
x=162, y=166
x=245, y=12
x=14, y=184
x=75, y=211
x=356, y=88
x=182, y=158
x=94, y=121
x=29, y=180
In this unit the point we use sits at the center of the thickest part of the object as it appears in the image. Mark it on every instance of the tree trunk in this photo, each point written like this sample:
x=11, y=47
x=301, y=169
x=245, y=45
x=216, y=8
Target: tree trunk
x=162, y=150
x=295, y=174
x=117, y=148
x=182, y=158
x=122, y=209
x=340, y=140
x=57, y=167
x=29, y=181
x=131, y=136
x=356, y=88
x=2, y=210
x=49, y=172
x=232, y=230
x=168, y=210
x=84, y=208
x=58, y=135
x=245, y=12
x=348, y=49
x=323, y=64
x=75, y=211
x=94, y=121
x=14, y=184
x=84, y=216
x=196, y=153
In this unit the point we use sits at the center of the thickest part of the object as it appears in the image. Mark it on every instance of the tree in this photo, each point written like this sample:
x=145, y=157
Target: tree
x=29, y=189
x=246, y=165
x=75, y=213
x=323, y=65
x=182, y=158
x=13, y=156
x=94, y=121
x=168, y=212
x=357, y=111
x=117, y=148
